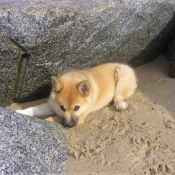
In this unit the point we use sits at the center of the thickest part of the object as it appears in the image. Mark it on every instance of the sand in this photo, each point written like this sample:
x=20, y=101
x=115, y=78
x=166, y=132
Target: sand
x=139, y=140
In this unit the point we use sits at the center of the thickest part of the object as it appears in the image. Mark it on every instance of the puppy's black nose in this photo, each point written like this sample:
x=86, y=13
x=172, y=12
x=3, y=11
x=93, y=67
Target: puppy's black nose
x=69, y=124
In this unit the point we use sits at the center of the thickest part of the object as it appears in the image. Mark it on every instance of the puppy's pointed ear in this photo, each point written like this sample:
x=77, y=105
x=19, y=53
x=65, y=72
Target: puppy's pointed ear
x=83, y=87
x=57, y=84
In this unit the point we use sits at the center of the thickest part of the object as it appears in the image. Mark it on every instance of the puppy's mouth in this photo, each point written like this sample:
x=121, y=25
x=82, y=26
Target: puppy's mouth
x=70, y=123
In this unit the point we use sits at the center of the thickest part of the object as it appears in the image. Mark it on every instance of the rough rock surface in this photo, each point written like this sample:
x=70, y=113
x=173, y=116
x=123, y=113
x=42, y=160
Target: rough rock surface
x=43, y=38
x=29, y=145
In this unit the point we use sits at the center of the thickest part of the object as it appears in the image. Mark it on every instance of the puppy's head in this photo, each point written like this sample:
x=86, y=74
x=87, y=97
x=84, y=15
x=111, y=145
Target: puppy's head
x=70, y=99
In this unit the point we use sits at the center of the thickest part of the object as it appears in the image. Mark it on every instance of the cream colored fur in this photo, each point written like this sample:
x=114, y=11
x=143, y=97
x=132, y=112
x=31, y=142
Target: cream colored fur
x=90, y=90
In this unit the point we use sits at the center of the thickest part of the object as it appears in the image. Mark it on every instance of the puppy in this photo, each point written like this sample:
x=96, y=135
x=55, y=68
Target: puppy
x=76, y=94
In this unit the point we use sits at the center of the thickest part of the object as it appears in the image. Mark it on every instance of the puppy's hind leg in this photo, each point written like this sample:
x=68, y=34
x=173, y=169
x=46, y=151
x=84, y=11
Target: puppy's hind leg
x=125, y=86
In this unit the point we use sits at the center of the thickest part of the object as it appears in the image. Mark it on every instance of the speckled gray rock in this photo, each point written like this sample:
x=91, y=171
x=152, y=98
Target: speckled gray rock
x=30, y=146
x=43, y=38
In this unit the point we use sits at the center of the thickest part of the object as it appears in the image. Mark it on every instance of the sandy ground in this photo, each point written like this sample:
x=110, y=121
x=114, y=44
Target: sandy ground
x=139, y=140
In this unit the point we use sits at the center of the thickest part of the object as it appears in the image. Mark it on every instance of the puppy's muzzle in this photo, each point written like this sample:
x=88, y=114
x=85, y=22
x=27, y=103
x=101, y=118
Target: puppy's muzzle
x=70, y=123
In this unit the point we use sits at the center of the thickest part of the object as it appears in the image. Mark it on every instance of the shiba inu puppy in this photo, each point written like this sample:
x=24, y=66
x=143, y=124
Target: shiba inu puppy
x=76, y=94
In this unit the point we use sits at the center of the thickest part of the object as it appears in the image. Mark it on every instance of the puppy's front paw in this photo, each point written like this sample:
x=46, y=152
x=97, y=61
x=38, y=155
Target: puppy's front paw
x=120, y=105
x=27, y=111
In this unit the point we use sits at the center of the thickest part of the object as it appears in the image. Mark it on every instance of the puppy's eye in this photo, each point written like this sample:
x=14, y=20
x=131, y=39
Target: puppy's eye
x=62, y=108
x=76, y=108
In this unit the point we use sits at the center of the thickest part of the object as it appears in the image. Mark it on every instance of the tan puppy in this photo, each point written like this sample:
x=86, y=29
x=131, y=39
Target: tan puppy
x=76, y=94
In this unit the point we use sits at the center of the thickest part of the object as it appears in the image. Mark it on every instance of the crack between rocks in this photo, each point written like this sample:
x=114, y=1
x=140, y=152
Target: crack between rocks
x=21, y=72
x=20, y=77
x=14, y=46
x=18, y=46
